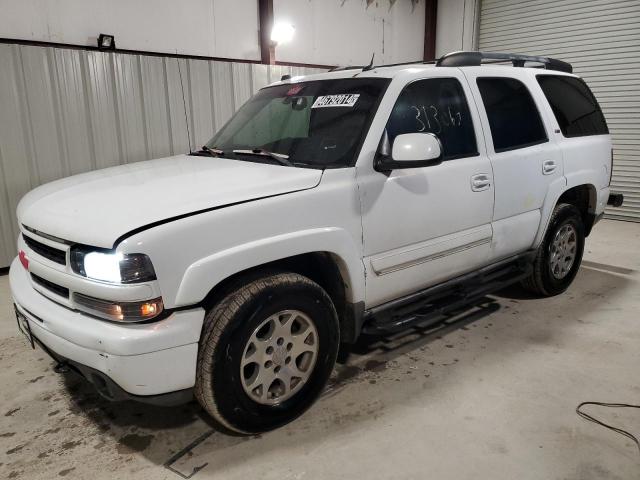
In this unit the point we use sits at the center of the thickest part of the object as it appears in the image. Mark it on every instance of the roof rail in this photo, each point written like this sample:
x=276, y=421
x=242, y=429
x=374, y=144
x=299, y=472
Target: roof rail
x=469, y=59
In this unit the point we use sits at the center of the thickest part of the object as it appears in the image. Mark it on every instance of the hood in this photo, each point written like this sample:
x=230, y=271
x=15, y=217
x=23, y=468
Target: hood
x=98, y=207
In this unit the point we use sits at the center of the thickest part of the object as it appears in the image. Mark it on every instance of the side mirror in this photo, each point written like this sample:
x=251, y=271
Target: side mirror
x=410, y=150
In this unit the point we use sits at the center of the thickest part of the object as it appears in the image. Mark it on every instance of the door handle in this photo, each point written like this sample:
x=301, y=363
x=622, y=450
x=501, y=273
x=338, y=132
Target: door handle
x=480, y=182
x=548, y=167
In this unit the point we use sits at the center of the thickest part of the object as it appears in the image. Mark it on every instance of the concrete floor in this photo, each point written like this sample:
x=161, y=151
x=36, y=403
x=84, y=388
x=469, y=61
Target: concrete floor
x=491, y=395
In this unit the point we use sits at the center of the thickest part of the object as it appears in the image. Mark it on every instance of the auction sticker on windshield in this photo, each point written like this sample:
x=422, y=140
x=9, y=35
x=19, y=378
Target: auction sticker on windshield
x=342, y=100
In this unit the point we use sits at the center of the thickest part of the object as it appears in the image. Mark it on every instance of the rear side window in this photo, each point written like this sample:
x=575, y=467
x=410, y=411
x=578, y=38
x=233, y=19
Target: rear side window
x=513, y=117
x=574, y=106
x=438, y=106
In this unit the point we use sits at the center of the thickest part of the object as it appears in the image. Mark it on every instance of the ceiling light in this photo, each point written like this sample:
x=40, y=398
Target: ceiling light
x=282, y=33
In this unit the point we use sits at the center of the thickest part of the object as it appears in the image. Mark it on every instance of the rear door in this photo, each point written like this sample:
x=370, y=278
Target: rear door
x=581, y=132
x=526, y=160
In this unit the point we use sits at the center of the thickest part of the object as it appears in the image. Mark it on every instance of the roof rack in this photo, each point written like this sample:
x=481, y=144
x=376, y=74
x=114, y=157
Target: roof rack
x=474, y=59
x=469, y=59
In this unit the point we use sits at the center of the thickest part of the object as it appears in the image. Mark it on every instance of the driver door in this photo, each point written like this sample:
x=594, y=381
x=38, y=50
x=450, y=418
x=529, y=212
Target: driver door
x=425, y=225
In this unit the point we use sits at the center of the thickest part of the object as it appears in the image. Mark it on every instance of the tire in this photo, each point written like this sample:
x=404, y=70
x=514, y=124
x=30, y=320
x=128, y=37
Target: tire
x=551, y=274
x=243, y=326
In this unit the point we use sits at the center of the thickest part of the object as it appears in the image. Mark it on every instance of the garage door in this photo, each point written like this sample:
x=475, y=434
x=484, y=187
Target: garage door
x=601, y=38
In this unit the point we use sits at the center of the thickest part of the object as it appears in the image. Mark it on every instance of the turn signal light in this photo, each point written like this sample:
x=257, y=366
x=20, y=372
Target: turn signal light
x=24, y=260
x=149, y=309
x=119, y=311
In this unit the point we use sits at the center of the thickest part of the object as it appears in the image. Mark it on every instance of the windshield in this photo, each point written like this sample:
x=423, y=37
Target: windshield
x=318, y=124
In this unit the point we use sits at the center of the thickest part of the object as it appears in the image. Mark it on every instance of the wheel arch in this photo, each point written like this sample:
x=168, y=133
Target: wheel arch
x=328, y=256
x=583, y=196
x=325, y=268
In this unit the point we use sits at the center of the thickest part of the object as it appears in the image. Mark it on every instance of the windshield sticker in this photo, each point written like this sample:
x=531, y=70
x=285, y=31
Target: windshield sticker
x=294, y=90
x=343, y=100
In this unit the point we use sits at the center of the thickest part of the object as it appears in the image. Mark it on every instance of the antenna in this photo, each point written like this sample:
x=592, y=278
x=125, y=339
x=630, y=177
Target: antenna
x=370, y=66
x=184, y=105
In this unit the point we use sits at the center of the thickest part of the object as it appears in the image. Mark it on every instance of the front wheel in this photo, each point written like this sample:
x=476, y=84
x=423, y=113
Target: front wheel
x=267, y=350
x=560, y=253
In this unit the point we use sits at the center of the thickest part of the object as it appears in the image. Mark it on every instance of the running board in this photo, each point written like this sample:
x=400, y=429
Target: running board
x=446, y=299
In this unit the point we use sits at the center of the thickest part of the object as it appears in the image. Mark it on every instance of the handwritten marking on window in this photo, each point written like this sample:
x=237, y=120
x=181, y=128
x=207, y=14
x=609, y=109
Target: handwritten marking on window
x=430, y=118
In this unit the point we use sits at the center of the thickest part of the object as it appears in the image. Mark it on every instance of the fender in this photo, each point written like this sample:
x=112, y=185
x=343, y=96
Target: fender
x=599, y=191
x=556, y=190
x=204, y=274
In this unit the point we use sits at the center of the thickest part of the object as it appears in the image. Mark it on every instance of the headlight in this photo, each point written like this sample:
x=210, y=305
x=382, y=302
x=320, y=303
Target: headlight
x=112, y=267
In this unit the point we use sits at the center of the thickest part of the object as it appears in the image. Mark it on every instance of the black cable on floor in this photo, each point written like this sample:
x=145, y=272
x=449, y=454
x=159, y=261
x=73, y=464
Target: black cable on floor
x=588, y=417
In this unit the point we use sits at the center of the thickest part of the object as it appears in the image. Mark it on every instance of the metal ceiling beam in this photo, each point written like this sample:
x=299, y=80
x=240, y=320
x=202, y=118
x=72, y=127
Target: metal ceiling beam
x=265, y=16
x=430, y=19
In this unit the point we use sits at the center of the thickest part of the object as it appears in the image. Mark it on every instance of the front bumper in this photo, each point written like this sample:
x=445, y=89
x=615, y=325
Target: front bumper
x=134, y=360
x=105, y=385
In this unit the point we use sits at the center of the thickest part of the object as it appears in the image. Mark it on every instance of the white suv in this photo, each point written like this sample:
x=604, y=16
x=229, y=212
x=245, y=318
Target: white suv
x=363, y=199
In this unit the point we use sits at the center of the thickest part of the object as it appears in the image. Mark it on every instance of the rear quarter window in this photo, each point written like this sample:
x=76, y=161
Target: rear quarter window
x=574, y=106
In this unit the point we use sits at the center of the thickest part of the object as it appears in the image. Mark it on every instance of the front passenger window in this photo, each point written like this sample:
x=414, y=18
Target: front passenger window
x=438, y=106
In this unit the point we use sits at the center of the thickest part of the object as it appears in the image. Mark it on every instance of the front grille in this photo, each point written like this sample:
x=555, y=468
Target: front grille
x=53, y=254
x=55, y=288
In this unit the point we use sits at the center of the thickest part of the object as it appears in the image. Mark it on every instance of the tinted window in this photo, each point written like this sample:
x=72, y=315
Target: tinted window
x=513, y=117
x=436, y=106
x=574, y=106
x=319, y=123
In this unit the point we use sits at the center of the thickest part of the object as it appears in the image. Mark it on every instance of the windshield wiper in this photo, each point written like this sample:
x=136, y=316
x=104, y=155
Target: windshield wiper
x=214, y=152
x=278, y=157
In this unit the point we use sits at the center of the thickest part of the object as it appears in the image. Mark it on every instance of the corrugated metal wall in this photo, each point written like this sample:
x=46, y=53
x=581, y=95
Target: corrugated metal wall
x=65, y=111
x=601, y=38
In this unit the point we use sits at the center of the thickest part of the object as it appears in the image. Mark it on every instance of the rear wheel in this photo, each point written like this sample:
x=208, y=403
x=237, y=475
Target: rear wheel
x=266, y=352
x=560, y=253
